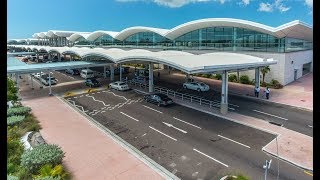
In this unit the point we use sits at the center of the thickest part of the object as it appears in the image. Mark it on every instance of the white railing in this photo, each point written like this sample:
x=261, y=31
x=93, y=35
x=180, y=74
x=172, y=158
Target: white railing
x=183, y=96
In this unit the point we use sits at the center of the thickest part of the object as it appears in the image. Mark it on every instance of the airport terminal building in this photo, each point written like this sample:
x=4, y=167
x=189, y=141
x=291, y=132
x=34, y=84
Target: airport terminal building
x=291, y=44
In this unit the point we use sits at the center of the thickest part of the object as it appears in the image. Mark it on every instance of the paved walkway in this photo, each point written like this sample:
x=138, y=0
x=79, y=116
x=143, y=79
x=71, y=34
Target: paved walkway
x=298, y=93
x=90, y=154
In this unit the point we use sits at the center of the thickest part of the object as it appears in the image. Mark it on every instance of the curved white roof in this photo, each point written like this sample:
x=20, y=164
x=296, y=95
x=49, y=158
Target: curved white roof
x=294, y=29
x=96, y=34
x=305, y=31
x=52, y=33
x=77, y=35
x=189, y=63
x=133, y=30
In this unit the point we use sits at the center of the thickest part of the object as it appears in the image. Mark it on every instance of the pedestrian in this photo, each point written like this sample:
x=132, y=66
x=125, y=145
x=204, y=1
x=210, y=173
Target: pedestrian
x=126, y=79
x=169, y=70
x=257, y=91
x=267, y=91
x=158, y=75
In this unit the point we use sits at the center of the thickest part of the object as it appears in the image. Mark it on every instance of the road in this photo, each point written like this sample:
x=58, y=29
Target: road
x=291, y=118
x=189, y=143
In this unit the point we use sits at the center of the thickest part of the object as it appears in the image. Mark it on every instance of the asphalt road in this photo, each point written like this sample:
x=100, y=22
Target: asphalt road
x=291, y=118
x=189, y=143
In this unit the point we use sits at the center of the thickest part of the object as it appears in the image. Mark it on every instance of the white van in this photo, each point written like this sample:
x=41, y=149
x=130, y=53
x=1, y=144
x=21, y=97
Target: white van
x=87, y=73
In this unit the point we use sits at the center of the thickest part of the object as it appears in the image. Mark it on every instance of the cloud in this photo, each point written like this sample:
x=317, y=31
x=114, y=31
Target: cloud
x=309, y=3
x=174, y=3
x=277, y=4
x=265, y=7
x=245, y=2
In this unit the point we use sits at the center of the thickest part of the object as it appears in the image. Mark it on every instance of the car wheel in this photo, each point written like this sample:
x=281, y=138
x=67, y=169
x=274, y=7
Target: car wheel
x=159, y=104
x=185, y=87
x=199, y=90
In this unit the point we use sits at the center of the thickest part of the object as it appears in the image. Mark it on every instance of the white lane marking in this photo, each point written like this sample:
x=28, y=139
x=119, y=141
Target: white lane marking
x=310, y=126
x=144, y=134
x=75, y=97
x=186, y=122
x=98, y=92
x=129, y=116
x=170, y=125
x=152, y=109
x=98, y=100
x=163, y=133
x=116, y=95
x=234, y=141
x=270, y=115
x=81, y=96
x=210, y=157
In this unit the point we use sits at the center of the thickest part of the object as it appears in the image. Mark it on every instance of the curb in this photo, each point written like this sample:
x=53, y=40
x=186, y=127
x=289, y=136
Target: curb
x=270, y=102
x=131, y=149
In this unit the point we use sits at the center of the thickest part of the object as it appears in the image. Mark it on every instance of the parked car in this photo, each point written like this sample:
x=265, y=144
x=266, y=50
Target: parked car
x=38, y=75
x=48, y=61
x=44, y=79
x=119, y=85
x=91, y=82
x=25, y=60
x=198, y=86
x=159, y=99
x=72, y=71
x=141, y=79
x=87, y=73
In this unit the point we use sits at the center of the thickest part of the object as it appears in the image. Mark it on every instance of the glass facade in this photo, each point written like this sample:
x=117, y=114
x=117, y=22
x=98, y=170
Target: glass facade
x=81, y=41
x=211, y=38
x=146, y=39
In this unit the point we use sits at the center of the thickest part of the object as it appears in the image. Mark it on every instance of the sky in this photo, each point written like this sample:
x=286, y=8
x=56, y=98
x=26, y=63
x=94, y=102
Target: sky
x=26, y=17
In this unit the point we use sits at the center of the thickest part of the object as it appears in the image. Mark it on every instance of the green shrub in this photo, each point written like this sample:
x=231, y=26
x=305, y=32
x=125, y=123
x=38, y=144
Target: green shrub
x=12, y=132
x=23, y=173
x=15, y=150
x=11, y=90
x=232, y=78
x=206, y=75
x=41, y=155
x=218, y=76
x=244, y=79
x=30, y=123
x=49, y=171
x=12, y=120
x=48, y=178
x=22, y=111
x=275, y=84
x=11, y=177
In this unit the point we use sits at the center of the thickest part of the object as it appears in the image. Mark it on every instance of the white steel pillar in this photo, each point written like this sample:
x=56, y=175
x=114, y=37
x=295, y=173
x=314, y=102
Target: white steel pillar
x=257, y=77
x=17, y=80
x=111, y=72
x=31, y=77
x=151, y=77
x=104, y=71
x=50, y=92
x=59, y=57
x=120, y=72
x=224, y=93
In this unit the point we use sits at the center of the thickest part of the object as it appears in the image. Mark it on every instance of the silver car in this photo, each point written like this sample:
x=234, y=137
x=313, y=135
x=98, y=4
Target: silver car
x=119, y=85
x=197, y=86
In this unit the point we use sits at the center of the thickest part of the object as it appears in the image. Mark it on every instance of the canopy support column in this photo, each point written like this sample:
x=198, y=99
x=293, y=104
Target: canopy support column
x=151, y=89
x=257, y=77
x=50, y=91
x=120, y=72
x=104, y=72
x=224, y=93
x=59, y=57
x=111, y=72
x=31, y=77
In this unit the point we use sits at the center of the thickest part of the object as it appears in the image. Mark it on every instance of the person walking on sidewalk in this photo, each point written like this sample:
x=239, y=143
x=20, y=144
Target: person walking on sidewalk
x=158, y=75
x=267, y=91
x=256, y=91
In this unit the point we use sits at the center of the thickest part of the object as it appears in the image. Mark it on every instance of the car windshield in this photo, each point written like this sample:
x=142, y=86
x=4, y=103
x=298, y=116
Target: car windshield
x=75, y=70
x=94, y=81
x=121, y=84
x=162, y=96
x=202, y=84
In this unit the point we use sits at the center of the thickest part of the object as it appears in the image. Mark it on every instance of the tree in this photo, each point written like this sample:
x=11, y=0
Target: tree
x=264, y=71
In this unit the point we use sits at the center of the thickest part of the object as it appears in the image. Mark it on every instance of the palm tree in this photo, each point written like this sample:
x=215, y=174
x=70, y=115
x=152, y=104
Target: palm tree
x=264, y=71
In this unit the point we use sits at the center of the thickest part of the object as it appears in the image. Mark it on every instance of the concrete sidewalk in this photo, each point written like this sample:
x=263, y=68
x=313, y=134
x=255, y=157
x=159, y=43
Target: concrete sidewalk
x=293, y=147
x=298, y=94
x=90, y=153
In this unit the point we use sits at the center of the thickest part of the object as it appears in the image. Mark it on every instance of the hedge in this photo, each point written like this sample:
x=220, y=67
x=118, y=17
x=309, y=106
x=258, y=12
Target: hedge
x=18, y=111
x=12, y=120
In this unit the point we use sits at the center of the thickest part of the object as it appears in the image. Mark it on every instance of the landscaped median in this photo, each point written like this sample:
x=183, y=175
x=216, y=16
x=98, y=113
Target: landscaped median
x=38, y=161
x=83, y=91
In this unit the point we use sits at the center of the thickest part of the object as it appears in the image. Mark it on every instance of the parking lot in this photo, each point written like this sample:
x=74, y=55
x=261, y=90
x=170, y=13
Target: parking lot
x=190, y=144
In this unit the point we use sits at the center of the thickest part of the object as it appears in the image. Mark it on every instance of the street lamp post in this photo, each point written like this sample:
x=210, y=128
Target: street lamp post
x=266, y=167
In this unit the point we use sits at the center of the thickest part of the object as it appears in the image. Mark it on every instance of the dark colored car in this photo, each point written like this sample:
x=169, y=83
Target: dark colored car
x=159, y=99
x=92, y=83
x=73, y=71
